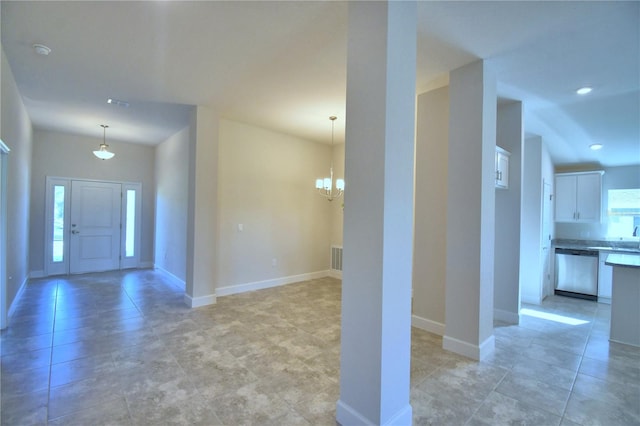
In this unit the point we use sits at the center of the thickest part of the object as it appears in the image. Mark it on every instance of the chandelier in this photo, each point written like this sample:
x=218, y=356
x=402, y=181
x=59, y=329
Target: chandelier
x=103, y=153
x=325, y=185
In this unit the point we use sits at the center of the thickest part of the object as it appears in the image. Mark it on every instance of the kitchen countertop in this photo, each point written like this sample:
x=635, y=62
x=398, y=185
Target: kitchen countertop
x=599, y=245
x=625, y=260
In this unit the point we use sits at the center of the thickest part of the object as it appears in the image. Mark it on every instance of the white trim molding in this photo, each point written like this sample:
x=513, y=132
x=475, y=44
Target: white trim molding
x=335, y=274
x=37, y=274
x=275, y=282
x=16, y=299
x=506, y=316
x=196, y=302
x=346, y=415
x=173, y=279
x=427, y=325
x=477, y=352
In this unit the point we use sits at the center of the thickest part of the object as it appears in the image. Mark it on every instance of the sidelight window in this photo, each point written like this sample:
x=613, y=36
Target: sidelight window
x=58, y=224
x=130, y=224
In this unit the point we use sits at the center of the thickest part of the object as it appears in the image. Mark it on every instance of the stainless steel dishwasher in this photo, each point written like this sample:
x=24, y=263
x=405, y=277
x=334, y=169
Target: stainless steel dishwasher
x=577, y=273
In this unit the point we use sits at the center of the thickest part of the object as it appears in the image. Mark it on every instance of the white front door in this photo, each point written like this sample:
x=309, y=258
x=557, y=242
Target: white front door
x=94, y=243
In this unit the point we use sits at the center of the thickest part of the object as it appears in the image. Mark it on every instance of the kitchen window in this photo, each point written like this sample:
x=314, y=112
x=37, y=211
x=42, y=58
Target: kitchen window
x=623, y=213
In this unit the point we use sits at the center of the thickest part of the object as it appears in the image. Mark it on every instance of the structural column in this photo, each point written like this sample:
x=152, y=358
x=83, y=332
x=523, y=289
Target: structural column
x=202, y=208
x=378, y=214
x=471, y=211
x=509, y=136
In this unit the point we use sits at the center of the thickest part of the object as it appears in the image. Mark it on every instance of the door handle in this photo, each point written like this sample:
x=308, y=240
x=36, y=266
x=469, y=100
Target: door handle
x=75, y=232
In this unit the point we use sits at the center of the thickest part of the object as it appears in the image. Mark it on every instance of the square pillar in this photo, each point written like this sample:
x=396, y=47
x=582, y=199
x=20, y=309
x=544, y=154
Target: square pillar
x=471, y=212
x=378, y=214
x=202, y=208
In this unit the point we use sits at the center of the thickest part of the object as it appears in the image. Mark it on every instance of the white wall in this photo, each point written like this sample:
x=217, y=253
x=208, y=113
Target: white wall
x=71, y=156
x=17, y=134
x=430, y=237
x=537, y=167
x=614, y=178
x=506, y=292
x=266, y=184
x=171, y=189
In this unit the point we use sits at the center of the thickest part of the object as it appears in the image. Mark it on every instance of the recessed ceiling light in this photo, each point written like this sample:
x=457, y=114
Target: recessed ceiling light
x=584, y=90
x=118, y=102
x=41, y=49
x=595, y=146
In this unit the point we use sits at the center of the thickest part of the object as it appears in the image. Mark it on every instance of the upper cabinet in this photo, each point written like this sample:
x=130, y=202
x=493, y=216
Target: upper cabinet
x=502, y=168
x=578, y=197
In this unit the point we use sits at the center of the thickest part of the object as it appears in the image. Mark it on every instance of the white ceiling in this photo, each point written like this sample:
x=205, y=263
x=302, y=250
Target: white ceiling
x=282, y=65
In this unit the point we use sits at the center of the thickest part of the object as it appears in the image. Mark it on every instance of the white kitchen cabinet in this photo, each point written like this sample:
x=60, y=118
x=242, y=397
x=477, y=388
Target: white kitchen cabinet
x=605, y=273
x=502, y=168
x=578, y=197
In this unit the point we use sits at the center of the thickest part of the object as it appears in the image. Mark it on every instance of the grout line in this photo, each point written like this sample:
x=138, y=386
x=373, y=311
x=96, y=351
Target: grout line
x=53, y=334
x=494, y=389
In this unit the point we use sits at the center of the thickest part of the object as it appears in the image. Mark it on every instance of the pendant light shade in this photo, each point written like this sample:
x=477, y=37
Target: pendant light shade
x=103, y=152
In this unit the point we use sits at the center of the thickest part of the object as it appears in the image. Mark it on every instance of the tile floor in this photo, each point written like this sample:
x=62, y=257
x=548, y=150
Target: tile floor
x=121, y=348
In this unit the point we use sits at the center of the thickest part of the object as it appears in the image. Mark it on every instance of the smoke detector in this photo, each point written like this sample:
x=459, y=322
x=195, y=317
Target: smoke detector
x=41, y=49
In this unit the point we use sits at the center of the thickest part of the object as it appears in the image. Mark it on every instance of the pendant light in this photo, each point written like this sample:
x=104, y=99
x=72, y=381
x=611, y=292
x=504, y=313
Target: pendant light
x=103, y=153
x=325, y=185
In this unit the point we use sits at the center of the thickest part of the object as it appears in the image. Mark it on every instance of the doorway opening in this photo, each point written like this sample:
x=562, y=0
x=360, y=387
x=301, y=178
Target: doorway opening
x=91, y=226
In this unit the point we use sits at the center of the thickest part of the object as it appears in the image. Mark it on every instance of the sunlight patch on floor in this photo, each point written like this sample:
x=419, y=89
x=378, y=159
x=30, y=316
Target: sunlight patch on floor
x=552, y=317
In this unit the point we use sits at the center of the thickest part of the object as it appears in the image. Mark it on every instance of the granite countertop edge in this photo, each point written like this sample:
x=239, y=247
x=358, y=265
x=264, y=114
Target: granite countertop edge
x=614, y=246
x=624, y=260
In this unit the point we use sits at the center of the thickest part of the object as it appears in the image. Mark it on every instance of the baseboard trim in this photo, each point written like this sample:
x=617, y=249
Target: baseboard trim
x=427, y=325
x=14, y=303
x=335, y=274
x=487, y=347
x=260, y=285
x=196, y=302
x=173, y=279
x=37, y=274
x=402, y=417
x=506, y=316
x=533, y=300
x=477, y=352
x=346, y=415
x=145, y=265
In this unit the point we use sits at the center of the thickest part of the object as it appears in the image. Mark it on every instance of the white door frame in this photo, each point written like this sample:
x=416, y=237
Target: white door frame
x=4, y=151
x=547, y=225
x=63, y=268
